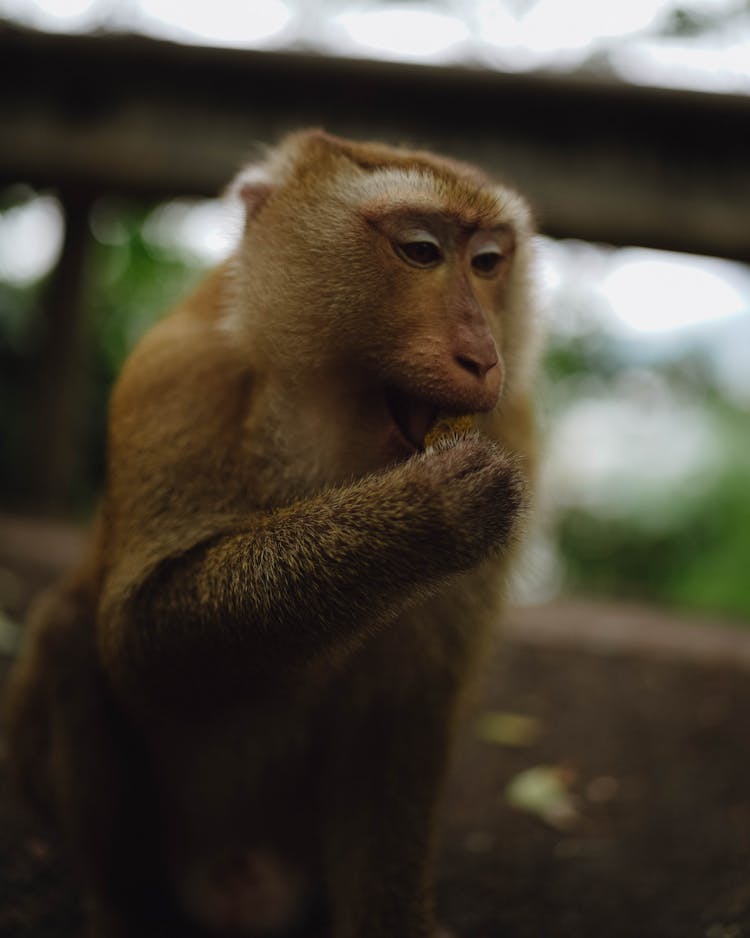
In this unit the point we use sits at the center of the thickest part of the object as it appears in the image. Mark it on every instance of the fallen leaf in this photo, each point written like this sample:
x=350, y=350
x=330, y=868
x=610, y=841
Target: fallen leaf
x=544, y=791
x=508, y=729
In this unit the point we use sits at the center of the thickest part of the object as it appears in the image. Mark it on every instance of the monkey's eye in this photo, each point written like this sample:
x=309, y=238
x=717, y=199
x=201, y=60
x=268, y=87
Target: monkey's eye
x=421, y=253
x=419, y=250
x=491, y=251
x=487, y=262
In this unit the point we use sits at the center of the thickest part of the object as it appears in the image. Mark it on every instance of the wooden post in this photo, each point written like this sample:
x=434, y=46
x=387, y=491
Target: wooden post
x=56, y=394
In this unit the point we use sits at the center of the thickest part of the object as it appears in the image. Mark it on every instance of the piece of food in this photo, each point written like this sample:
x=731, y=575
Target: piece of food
x=448, y=426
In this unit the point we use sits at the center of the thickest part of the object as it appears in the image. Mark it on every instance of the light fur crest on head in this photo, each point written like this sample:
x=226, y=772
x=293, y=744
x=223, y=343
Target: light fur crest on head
x=394, y=185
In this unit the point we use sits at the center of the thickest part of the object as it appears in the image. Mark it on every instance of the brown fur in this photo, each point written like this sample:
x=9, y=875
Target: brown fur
x=239, y=709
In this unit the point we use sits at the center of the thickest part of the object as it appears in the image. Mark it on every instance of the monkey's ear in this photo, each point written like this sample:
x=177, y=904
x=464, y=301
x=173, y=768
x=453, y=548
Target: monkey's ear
x=253, y=185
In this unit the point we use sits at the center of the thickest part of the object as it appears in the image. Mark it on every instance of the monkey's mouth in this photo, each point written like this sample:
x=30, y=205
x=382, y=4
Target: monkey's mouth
x=412, y=416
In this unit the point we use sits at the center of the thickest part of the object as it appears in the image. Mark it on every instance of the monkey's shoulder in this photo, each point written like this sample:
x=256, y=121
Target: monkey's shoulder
x=175, y=450
x=184, y=377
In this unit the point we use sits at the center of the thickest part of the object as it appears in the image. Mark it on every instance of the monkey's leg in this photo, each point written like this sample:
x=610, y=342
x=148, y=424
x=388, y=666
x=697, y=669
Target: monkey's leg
x=78, y=768
x=379, y=815
x=107, y=813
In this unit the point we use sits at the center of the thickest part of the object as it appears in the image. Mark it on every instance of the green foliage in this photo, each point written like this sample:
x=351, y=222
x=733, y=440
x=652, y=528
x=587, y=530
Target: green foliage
x=130, y=284
x=690, y=548
x=702, y=562
x=592, y=354
x=686, y=23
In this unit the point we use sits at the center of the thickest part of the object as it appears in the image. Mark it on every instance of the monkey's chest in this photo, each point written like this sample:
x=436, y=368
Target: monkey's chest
x=246, y=789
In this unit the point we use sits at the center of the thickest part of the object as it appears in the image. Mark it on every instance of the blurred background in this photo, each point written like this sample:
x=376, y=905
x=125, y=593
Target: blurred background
x=626, y=124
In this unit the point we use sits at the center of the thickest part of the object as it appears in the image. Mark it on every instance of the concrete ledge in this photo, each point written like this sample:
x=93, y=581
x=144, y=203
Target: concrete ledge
x=614, y=628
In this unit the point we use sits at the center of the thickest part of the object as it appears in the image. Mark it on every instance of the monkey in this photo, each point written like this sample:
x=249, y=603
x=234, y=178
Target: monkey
x=238, y=710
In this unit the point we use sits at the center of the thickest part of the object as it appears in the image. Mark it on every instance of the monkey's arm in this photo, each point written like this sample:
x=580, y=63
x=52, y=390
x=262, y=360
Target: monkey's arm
x=313, y=578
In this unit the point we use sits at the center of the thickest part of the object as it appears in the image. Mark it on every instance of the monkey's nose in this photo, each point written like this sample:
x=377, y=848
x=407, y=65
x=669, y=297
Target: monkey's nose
x=475, y=351
x=477, y=364
x=478, y=378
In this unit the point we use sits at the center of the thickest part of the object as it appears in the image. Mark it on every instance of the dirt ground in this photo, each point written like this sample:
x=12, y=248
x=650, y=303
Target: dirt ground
x=641, y=719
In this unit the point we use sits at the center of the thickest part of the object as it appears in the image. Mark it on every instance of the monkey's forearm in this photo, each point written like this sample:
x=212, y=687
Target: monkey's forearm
x=295, y=580
x=316, y=576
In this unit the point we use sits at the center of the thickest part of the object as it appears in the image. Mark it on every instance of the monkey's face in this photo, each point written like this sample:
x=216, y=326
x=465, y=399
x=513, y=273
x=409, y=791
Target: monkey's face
x=392, y=277
x=440, y=284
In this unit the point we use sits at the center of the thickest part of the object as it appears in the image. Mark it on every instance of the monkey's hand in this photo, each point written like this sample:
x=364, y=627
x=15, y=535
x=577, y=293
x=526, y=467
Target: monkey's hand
x=480, y=494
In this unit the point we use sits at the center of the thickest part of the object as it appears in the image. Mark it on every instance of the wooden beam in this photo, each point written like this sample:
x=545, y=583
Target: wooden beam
x=599, y=159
